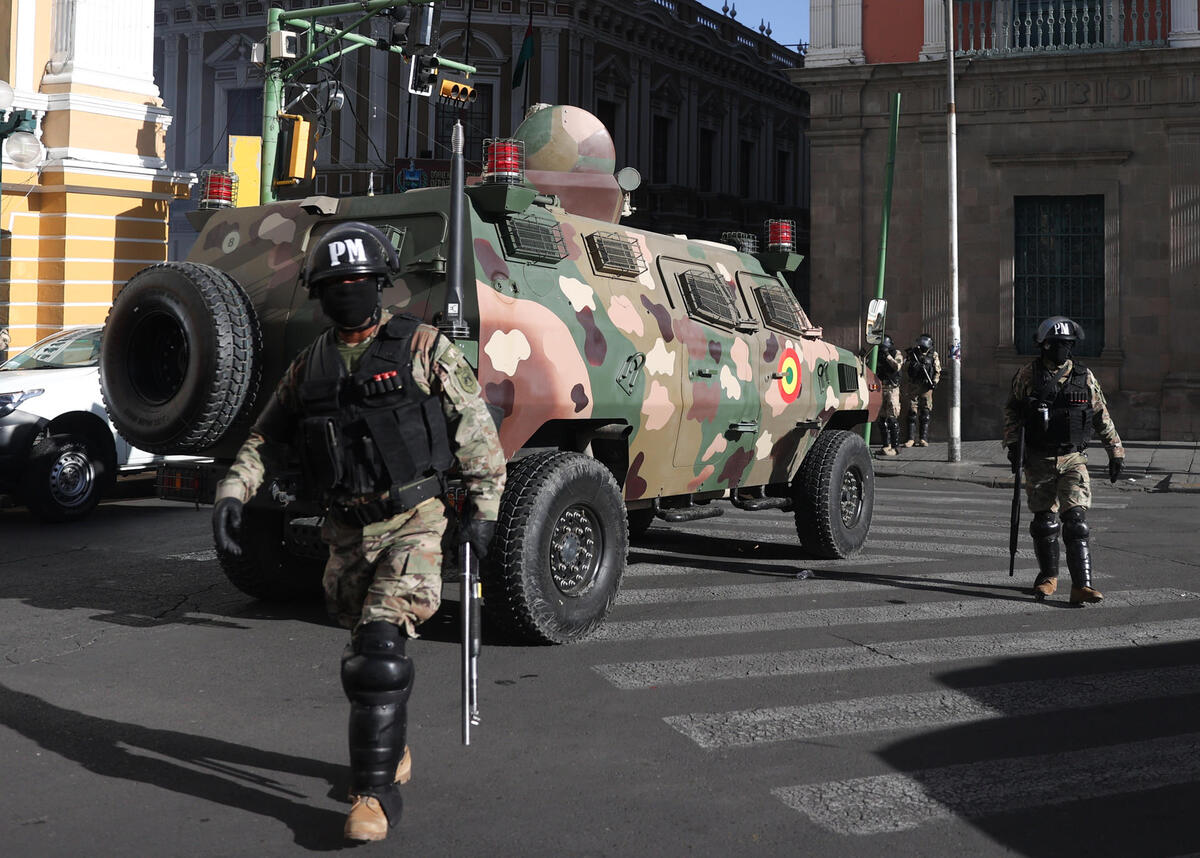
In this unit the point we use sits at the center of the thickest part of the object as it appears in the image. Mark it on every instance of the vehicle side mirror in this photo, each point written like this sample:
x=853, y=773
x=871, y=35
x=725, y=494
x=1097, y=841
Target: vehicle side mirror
x=876, y=313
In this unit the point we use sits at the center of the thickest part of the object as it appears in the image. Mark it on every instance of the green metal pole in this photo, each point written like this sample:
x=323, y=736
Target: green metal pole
x=272, y=98
x=885, y=217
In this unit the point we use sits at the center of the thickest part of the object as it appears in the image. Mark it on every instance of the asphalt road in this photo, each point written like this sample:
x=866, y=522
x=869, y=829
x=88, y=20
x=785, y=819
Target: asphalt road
x=913, y=701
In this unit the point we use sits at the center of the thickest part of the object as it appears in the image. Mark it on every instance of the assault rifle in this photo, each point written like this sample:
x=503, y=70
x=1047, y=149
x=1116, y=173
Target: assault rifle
x=470, y=599
x=914, y=357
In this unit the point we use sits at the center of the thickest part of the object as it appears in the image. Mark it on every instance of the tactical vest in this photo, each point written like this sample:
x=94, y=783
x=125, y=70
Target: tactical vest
x=371, y=431
x=918, y=365
x=1067, y=424
x=889, y=376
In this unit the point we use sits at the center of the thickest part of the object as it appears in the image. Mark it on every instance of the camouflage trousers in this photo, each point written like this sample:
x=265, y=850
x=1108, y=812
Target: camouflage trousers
x=919, y=398
x=891, y=402
x=1057, y=483
x=390, y=570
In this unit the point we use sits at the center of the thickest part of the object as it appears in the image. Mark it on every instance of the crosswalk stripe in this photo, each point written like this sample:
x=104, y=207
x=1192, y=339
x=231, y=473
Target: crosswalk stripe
x=886, y=654
x=901, y=802
x=633, y=630
x=642, y=569
x=786, y=585
x=993, y=534
x=932, y=708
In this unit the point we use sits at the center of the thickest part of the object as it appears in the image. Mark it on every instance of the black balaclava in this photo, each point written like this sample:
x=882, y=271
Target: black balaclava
x=1057, y=351
x=353, y=305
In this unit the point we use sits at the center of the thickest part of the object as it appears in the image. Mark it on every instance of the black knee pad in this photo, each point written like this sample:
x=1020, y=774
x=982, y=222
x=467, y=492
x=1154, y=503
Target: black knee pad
x=377, y=671
x=1045, y=525
x=1075, y=523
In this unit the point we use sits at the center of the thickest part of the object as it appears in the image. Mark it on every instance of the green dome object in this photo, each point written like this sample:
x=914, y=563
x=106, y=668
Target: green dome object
x=567, y=139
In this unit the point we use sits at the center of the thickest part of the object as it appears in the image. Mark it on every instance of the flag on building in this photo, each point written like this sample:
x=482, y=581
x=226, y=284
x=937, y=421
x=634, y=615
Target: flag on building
x=525, y=56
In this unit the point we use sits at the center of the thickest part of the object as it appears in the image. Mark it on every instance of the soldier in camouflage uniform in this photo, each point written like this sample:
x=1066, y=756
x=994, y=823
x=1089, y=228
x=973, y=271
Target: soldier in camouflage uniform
x=924, y=371
x=1057, y=402
x=378, y=409
x=890, y=364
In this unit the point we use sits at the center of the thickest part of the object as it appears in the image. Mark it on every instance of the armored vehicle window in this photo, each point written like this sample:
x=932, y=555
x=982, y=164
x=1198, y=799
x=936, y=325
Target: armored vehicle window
x=532, y=238
x=779, y=307
x=615, y=254
x=707, y=296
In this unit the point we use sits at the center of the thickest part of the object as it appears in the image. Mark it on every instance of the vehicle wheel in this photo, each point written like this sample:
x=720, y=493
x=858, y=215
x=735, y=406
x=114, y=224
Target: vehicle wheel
x=834, y=495
x=65, y=478
x=639, y=522
x=268, y=569
x=555, y=565
x=179, y=358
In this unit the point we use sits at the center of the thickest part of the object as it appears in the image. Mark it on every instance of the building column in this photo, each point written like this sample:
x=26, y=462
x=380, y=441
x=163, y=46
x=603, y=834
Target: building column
x=836, y=37
x=194, y=105
x=170, y=93
x=1185, y=32
x=934, y=47
x=548, y=66
x=575, y=70
x=95, y=211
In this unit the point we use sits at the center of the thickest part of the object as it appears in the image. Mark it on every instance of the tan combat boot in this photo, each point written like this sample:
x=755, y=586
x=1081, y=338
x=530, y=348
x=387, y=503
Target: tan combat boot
x=1085, y=595
x=366, y=820
x=889, y=451
x=1045, y=588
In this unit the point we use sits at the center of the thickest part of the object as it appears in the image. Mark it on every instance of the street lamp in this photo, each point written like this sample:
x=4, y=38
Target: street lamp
x=16, y=130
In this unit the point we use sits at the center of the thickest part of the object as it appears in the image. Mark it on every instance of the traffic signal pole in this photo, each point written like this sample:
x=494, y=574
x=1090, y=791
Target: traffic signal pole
x=283, y=69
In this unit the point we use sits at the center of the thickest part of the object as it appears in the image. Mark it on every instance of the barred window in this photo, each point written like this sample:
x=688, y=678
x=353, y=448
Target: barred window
x=780, y=309
x=1058, y=267
x=708, y=297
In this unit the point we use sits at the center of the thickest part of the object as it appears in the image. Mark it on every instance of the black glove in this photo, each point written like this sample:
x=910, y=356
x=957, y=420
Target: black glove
x=227, y=524
x=478, y=532
x=1115, y=466
x=1012, y=457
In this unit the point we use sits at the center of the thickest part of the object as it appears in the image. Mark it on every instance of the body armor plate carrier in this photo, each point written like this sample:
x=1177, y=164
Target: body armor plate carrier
x=371, y=443
x=1067, y=424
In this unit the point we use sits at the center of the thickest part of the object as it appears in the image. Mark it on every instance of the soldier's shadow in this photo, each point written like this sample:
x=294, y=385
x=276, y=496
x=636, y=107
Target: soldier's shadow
x=210, y=769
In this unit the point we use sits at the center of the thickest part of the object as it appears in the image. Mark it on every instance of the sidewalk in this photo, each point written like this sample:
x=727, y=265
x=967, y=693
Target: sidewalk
x=1150, y=466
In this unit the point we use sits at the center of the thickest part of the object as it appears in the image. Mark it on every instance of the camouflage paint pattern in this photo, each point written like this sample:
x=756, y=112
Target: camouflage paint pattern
x=708, y=407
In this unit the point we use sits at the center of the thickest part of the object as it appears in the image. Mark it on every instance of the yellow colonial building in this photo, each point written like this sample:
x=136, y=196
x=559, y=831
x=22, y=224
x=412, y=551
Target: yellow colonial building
x=94, y=210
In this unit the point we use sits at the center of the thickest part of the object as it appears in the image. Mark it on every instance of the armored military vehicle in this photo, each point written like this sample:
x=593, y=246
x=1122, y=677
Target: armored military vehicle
x=635, y=376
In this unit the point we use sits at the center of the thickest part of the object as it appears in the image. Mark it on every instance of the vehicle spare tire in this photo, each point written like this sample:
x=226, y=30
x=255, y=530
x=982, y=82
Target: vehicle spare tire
x=180, y=357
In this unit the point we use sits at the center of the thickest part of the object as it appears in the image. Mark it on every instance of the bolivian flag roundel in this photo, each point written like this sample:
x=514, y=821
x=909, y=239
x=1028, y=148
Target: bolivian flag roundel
x=789, y=375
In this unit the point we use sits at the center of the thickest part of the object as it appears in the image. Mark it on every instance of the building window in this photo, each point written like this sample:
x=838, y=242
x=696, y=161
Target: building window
x=244, y=111
x=706, y=151
x=476, y=121
x=1058, y=267
x=746, y=168
x=662, y=144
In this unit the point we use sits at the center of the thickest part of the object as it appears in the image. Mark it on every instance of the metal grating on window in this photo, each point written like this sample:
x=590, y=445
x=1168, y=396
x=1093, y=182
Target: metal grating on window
x=779, y=309
x=616, y=254
x=1058, y=267
x=707, y=296
x=530, y=238
x=746, y=242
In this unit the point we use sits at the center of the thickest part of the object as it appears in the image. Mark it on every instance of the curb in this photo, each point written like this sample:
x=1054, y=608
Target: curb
x=1165, y=485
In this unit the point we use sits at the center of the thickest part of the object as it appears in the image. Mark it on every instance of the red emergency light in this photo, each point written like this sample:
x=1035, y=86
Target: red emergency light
x=504, y=161
x=781, y=235
x=218, y=189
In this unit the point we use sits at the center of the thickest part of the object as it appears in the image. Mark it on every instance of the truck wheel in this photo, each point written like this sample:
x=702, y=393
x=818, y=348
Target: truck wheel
x=834, y=495
x=179, y=357
x=556, y=562
x=267, y=569
x=639, y=522
x=64, y=478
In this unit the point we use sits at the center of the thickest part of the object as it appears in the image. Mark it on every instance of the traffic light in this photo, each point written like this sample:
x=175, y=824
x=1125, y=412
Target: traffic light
x=295, y=152
x=456, y=92
x=423, y=72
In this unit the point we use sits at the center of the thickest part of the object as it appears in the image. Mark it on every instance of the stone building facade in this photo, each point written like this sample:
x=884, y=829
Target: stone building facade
x=1078, y=188
x=699, y=103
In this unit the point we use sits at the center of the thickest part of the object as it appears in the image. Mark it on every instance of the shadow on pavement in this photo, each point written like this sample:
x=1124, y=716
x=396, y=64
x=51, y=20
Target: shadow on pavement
x=1120, y=777
x=118, y=750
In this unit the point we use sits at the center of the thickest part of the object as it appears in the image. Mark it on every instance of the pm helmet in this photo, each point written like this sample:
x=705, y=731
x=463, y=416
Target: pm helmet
x=1058, y=328
x=350, y=249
